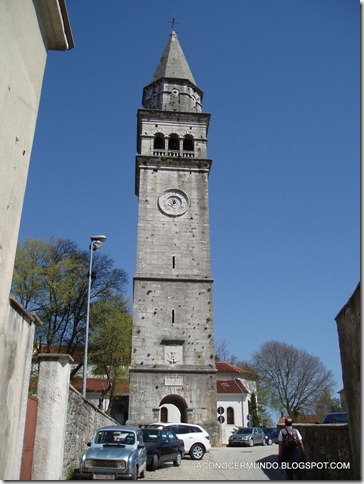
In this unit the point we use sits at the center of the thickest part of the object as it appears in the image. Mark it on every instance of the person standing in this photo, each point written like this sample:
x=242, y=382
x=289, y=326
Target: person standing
x=290, y=449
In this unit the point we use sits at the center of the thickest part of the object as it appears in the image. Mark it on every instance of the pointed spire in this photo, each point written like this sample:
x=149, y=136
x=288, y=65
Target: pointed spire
x=173, y=63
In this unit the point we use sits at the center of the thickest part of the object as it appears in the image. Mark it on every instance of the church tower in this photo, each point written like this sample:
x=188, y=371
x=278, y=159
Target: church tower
x=173, y=358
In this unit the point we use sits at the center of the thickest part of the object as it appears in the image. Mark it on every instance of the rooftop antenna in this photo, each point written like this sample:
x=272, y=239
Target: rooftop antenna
x=173, y=22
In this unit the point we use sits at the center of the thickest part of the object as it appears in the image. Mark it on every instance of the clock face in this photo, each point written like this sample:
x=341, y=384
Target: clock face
x=173, y=202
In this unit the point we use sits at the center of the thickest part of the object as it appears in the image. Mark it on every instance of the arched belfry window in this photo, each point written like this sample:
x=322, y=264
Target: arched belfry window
x=173, y=142
x=159, y=143
x=188, y=144
x=164, y=414
x=230, y=415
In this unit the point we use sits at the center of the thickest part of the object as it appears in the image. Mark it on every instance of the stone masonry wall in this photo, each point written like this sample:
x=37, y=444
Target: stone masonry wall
x=349, y=332
x=326, y=443
x=161, y=237
x=83, y=418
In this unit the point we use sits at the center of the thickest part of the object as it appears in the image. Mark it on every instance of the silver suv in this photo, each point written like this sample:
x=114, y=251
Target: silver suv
x=195, y=438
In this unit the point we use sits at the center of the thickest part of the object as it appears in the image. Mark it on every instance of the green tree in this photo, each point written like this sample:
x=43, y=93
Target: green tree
x=51, y=279
x=294, y=380
x=110, y=344
x=327, y=403
x=254, y=410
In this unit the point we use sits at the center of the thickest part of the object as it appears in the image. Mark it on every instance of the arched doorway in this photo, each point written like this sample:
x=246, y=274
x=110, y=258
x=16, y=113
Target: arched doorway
x=176, y=401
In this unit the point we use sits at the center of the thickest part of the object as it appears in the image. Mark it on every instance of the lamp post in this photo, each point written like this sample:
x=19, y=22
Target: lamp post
x=96, y=244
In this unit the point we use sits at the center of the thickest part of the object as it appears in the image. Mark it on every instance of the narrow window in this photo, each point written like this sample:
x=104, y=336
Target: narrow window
x=173, y=262
x=164, y=414
x=188, y=143
x=230, y=415
x=172, y=316
x=173, y=142
x=159, y=142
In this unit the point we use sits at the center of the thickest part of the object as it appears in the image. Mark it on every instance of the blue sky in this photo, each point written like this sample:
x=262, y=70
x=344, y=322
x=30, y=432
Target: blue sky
x=281, y=79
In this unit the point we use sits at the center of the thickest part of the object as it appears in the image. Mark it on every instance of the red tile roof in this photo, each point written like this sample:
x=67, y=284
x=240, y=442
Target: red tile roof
x=223, y=367
x=230, y=386
x=97, y=385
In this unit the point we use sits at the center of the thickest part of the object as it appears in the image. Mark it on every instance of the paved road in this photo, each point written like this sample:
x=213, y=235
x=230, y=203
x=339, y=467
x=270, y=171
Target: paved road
x=224, y=464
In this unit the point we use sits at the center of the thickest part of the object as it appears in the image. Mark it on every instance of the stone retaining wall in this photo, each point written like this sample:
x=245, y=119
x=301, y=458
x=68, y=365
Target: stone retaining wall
x=326, y=443
x=83, y=418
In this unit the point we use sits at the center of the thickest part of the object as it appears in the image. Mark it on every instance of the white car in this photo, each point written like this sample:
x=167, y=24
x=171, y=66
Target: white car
x=195, y=438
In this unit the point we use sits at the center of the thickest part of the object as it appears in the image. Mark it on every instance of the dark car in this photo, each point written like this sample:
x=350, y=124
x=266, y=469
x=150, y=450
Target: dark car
x=336, y=417
x=271, y=435
x=116, y=452
x=162, y=446
x=247, y=436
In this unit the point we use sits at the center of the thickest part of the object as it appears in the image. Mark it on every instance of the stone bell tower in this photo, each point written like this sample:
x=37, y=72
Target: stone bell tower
x=173, y=360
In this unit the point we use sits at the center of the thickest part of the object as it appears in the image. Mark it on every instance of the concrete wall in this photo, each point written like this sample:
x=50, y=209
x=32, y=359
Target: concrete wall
x=22, y=62
x=28, y=28
x=349, y=331
x=326, y=444
x=52, y=393
x=65, y=421
x=17, y=354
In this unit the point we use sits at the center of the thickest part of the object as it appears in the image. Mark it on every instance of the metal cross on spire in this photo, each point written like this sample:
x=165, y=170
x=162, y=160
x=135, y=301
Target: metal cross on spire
x=173, y=22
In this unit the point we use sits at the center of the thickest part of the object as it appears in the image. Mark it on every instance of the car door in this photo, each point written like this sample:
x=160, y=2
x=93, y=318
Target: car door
x=255, y=435
x=259, y=435
x=142, y=451
x=165, y=451
x=173, y=444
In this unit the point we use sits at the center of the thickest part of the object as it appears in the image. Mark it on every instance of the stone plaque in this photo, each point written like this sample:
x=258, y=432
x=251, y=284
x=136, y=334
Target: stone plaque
x=176, y=381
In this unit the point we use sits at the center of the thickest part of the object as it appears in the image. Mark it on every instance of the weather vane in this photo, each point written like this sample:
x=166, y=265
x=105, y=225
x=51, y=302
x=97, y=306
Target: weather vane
x=173, y=22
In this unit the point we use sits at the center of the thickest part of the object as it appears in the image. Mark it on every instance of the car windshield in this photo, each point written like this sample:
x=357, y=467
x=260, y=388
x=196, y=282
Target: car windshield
x=150, y=435
x=244, y=431
x=117, y=437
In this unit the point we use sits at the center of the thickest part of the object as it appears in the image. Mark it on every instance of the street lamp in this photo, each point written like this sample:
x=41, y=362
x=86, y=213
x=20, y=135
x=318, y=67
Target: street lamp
x=96, y=244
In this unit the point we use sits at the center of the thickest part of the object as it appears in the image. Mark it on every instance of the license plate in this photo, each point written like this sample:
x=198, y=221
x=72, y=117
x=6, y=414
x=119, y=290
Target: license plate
x=104, y=476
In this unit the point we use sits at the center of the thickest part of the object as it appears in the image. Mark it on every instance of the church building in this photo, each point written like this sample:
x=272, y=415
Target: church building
x=173, y=358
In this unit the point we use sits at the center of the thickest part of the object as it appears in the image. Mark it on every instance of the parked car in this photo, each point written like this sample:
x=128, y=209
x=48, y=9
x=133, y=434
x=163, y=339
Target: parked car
x=162, y=446
x=195, y=438
x=271, y=435
x=116, y=452
x=247, y=436
x=336, y=417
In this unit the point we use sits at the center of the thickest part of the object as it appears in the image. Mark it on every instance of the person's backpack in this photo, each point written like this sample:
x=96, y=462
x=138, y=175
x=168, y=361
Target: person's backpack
x=290, y=438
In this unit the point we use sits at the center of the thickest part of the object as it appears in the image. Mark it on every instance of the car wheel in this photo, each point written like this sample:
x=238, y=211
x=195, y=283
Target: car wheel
x=251, y=442
x=178, y=460
x=154, y=463
x=270, y=442
x=197, y=452
x=142, y=474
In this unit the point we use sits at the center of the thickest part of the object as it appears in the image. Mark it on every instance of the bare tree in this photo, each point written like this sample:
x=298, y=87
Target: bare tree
x=222, y=352
x=294, y=379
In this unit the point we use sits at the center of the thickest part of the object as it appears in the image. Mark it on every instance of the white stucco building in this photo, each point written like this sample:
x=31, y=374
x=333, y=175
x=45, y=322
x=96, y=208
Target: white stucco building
x=234, y=390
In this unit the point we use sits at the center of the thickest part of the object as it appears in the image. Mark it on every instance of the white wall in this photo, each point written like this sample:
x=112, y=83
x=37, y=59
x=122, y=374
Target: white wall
x=23, y=53
x=239, y=402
